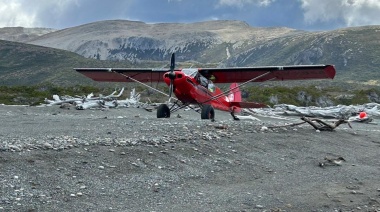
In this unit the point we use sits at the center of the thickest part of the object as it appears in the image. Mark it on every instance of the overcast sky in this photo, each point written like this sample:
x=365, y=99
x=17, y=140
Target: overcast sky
x=298, y=14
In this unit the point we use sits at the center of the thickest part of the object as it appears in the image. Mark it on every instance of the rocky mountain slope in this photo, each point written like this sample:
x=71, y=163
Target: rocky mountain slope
x=226, y=43
x=131, y=40
x=354, y=51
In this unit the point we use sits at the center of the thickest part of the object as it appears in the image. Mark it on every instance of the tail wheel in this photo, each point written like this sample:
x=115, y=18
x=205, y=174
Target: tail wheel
x=207, y=112
x=163, y=111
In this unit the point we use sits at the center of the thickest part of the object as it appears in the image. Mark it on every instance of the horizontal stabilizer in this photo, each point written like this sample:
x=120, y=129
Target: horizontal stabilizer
x=247, y=104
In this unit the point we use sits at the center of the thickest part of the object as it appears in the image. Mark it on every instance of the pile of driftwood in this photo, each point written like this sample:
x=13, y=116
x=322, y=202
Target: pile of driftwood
x=344, y=114
x=339, y=111
x=90, y=101
x=311, y=115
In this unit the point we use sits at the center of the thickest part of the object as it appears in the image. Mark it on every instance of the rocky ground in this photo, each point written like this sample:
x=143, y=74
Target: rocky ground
x=54, y=159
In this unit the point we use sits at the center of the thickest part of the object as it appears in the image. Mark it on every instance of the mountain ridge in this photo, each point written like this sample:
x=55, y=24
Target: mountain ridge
x=115, y=39
x=354, y=51
x=21, y=34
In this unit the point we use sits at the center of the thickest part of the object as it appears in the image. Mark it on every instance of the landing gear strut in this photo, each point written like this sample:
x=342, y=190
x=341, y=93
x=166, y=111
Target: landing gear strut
x=233, y=115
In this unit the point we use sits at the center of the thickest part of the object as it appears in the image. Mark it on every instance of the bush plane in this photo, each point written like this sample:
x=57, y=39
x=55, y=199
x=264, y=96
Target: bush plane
x=196, y=85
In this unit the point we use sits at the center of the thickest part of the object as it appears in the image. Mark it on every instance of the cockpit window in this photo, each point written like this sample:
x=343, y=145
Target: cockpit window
x=203, y=80
x=190, y=71
x=211, y=86
x=193, y=72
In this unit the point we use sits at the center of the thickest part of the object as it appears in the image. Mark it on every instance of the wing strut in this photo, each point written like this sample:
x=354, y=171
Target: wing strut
x=225, y=92
x=130, y=78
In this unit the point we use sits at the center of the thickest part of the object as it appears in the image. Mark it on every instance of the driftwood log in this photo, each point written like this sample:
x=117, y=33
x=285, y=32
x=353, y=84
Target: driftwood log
x=317, y=124
x=323, y=126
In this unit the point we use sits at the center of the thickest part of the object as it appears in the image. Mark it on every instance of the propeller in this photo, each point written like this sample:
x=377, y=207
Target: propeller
x=171, y=75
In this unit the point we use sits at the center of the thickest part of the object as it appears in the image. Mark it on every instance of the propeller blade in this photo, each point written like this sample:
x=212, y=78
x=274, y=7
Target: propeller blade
x=171, y=74
x=170, y=89
x=172, y=63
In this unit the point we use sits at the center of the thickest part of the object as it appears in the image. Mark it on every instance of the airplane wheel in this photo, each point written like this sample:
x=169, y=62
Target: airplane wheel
x=207, y=112
x=163, y=111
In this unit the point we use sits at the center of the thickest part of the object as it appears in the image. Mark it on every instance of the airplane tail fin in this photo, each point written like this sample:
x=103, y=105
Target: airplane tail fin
x=235, y=96
x=235, y=100
x=235, y=93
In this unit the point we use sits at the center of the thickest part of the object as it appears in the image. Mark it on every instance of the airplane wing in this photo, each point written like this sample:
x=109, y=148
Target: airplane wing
x=217, y=75
x=277, y=73
x=123, y=74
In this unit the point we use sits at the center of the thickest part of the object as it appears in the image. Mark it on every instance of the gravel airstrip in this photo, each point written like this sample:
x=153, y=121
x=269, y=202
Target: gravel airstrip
x=54, y=159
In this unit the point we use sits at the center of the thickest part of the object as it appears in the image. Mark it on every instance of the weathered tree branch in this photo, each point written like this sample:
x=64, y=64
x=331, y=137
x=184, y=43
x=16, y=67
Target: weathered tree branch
x=323, y=126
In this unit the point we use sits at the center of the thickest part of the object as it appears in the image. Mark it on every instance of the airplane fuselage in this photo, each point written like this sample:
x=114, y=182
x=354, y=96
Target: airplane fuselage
x=192, y=88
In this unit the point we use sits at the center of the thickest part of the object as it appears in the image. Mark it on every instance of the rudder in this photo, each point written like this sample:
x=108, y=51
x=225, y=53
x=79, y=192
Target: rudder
x=235, y=95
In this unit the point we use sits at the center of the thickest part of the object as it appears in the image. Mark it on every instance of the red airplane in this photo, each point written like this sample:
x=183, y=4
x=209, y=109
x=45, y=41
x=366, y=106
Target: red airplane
x=196, y=85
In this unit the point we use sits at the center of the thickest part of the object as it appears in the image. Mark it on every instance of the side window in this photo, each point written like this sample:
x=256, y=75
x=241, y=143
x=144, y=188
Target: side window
x=211, y=86
x=198, y=78
x=203, y=81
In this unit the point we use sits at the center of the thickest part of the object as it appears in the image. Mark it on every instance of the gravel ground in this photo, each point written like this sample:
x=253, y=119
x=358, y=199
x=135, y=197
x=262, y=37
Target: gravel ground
x=54, y=159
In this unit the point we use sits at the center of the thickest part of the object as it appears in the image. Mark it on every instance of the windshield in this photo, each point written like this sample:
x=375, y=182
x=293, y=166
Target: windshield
x=190, y=71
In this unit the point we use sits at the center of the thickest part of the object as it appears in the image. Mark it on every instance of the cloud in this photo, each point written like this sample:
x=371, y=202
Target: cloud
x=242, y=3
x=347, y=12
x=9, y=8
x=30, y=13
x=60, y=13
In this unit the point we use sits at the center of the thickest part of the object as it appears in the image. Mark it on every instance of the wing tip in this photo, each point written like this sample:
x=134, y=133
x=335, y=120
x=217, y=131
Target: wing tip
x=330, y=71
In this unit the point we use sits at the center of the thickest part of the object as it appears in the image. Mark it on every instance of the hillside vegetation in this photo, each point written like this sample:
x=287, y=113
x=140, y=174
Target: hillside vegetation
x=49, y=59
x=25, y=64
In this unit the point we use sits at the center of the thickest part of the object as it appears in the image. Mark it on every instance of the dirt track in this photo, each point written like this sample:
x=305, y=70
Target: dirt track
x=53, y=159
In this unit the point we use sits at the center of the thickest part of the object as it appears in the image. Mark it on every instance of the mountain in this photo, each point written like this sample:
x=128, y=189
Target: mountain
x=133, y=40
x=354, y=51
x=25, y=64
x=21, y=34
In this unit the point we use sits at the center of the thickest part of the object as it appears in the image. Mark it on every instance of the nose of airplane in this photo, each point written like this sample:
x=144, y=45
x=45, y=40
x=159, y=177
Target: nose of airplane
x=173, y=75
